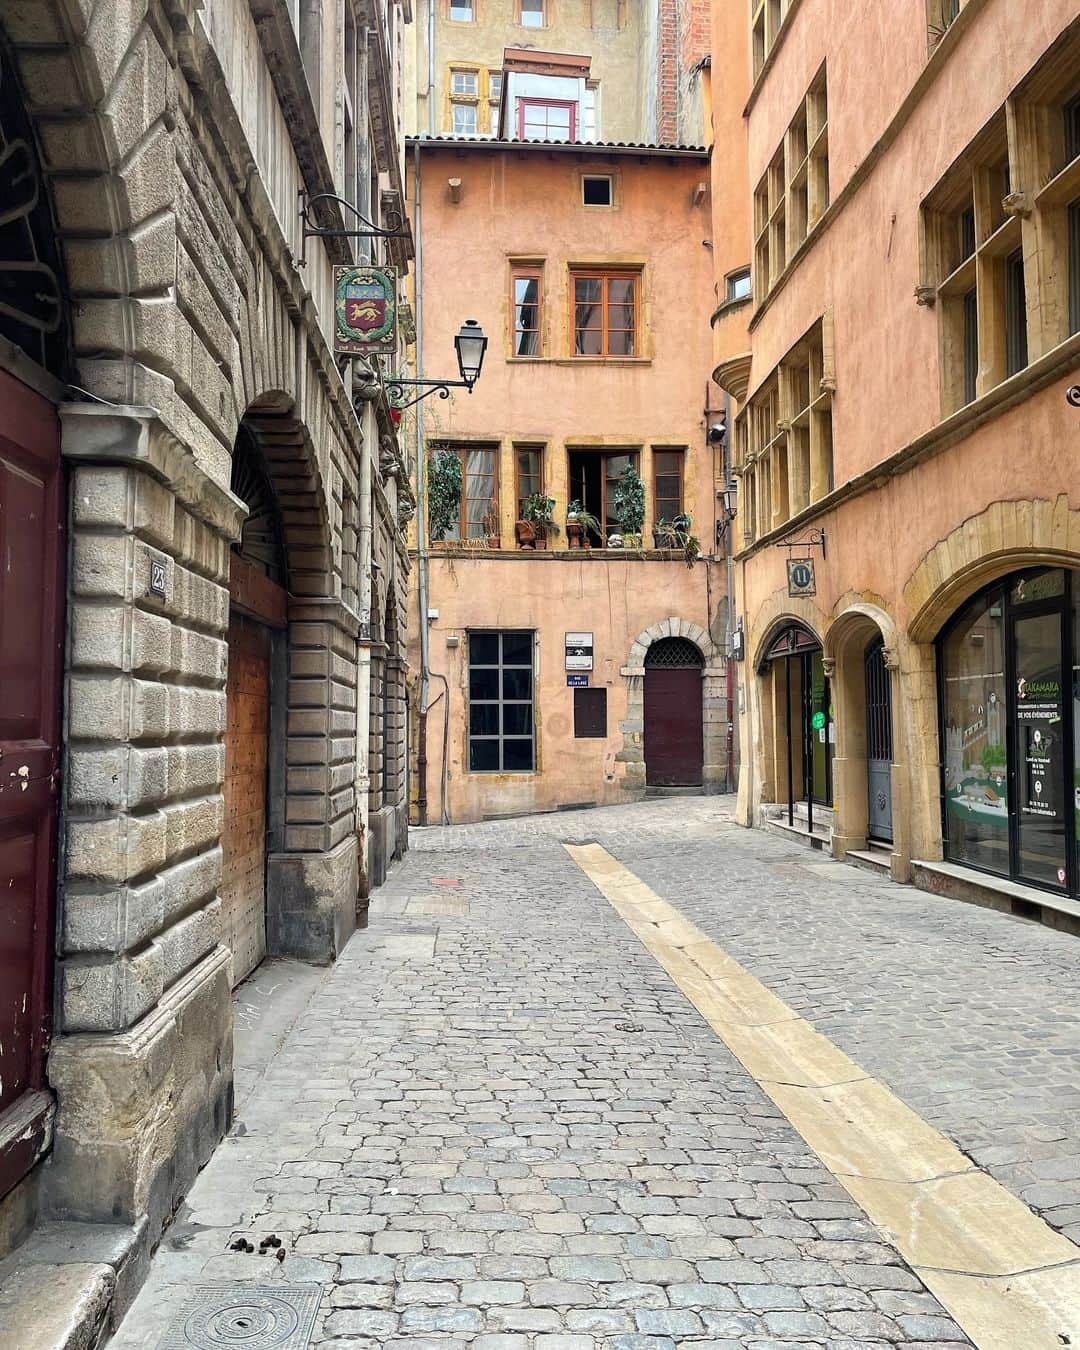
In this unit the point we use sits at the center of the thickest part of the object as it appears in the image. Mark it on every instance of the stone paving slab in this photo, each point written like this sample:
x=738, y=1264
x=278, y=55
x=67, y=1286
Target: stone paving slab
x=504, y=1127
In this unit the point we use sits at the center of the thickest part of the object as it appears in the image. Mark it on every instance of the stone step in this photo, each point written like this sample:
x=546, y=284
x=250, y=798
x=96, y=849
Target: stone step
x=66, y=1287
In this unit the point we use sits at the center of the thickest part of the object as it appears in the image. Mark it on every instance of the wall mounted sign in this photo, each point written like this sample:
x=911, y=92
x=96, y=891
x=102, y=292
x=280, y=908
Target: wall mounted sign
x=800, y=577
x=365, y=306
x=577, y=681
x=579, y=651
x=738, y=643
x=158, y=583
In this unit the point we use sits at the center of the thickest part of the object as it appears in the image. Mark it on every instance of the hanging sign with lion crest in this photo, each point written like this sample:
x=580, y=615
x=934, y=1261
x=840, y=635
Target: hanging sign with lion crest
x=365, y=304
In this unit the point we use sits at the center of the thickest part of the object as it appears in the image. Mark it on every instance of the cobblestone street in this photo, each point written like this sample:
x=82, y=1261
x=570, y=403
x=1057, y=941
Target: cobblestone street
x=499, y=1123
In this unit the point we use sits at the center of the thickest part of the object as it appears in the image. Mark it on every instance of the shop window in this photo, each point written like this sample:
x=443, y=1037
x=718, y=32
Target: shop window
x=590, y=714
x=605, y=313
x=501, y=723
x=667, y=484
x=1008, y=767
x=478, y=513
x=527, y=283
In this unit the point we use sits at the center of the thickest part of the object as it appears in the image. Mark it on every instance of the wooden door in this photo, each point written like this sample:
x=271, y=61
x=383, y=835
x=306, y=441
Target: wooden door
x=31, y=554
x=674, y=741
x=243, y=843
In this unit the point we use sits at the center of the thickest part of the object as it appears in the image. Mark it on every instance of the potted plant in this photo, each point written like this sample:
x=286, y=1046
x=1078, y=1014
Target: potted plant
x=579, y=524
x=630, y=507
x=537, y=513
x=444, y=494
x=490, y=524
x=675, y=533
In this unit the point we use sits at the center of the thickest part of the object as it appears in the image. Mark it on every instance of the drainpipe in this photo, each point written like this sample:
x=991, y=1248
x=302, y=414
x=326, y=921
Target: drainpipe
x=421, y=501
x=363, y=187
x=733, y=618
x=431, y=74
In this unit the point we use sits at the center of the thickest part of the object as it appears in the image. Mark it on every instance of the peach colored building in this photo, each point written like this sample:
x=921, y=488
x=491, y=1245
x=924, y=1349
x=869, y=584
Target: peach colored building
x=908, y=526
x=566, y=674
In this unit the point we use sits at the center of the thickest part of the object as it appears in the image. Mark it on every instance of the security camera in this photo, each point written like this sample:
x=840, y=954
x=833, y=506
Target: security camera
x=717, y=432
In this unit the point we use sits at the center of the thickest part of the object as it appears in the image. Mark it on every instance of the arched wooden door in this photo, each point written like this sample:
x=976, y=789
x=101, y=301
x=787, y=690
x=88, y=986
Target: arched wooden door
x=257, y=611
x=674, y=735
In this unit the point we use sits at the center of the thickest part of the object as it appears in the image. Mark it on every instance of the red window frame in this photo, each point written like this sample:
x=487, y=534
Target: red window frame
x=524, y=103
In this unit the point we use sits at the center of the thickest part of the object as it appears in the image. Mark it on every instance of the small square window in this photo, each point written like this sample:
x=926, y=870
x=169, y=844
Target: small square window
x=596, y=190
x=464, y=82
x=738, y=284
x=462, y=11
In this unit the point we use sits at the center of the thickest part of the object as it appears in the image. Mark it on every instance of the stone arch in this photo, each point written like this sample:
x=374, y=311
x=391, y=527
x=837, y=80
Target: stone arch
x=715, y=711
x=312, y=871
x=1006, y=536
x=856, y=626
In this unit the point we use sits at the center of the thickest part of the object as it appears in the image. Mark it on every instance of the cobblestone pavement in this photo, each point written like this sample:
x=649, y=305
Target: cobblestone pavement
x=499, y=1124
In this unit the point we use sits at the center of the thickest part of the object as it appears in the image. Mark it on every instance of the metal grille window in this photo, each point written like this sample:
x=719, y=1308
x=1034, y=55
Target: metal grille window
x=673, y=654
x=590, y=714
x=501, y=729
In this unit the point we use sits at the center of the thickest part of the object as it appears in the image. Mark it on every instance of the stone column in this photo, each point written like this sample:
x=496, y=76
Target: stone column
x=142, y=1057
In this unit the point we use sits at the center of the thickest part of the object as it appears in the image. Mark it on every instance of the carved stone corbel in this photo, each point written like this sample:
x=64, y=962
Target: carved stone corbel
x=828, y=665
x=1018, y=204
x=926, y=295
x=891, y=657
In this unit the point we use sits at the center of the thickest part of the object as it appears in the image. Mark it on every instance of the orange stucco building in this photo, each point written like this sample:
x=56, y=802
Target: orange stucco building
x=556, y=673
x=898, y=317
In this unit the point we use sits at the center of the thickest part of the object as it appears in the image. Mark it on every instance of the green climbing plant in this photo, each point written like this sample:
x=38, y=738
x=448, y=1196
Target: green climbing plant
x=444, y=493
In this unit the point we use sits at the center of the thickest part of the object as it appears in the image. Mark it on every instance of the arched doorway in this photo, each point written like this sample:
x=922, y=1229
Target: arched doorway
x=879, y=749
x=674, y=733
x=257, y=613
x=1009, y=707
x=33, y=321
x=802, y=715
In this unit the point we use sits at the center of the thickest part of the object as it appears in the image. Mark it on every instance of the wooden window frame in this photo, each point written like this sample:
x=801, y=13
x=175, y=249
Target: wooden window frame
x=524, y=102
x=603, y=452
x=527, y=272
x=462, y=449
x=680, y=452
x=537, y=448
x=604, y=275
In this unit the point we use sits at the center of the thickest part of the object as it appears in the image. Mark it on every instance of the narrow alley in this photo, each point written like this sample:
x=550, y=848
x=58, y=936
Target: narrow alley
x=499, y=1121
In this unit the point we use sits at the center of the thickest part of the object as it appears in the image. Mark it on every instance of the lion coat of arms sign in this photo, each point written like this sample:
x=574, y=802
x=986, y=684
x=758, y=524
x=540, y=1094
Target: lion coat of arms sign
x=366, y=310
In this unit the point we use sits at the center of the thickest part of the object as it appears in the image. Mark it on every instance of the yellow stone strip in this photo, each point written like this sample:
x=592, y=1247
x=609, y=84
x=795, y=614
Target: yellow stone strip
x=1007, y=1278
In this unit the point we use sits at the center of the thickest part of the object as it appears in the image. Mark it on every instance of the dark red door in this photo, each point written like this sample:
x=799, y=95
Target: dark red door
x=30, y=656
x=674, y=744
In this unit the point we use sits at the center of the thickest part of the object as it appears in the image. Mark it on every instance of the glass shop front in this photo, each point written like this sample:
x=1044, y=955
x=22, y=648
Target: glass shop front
x=1008, y=690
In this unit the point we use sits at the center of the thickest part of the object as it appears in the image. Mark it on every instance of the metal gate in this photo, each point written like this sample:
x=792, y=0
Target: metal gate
x=878, y=743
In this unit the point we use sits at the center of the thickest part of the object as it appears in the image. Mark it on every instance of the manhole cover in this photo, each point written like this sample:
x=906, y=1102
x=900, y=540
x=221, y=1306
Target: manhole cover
x=245, y=1318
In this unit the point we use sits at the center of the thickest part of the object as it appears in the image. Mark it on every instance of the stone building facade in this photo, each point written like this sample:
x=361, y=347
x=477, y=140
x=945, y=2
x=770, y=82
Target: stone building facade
x=898, y=319
x=208, y=744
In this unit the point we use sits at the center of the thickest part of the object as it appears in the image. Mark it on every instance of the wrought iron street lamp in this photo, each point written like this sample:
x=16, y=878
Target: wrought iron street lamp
x=470, y=344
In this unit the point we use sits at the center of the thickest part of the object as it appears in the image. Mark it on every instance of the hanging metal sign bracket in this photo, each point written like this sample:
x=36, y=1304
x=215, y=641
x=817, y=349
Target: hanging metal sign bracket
x=398, y=229
x=815, y=539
